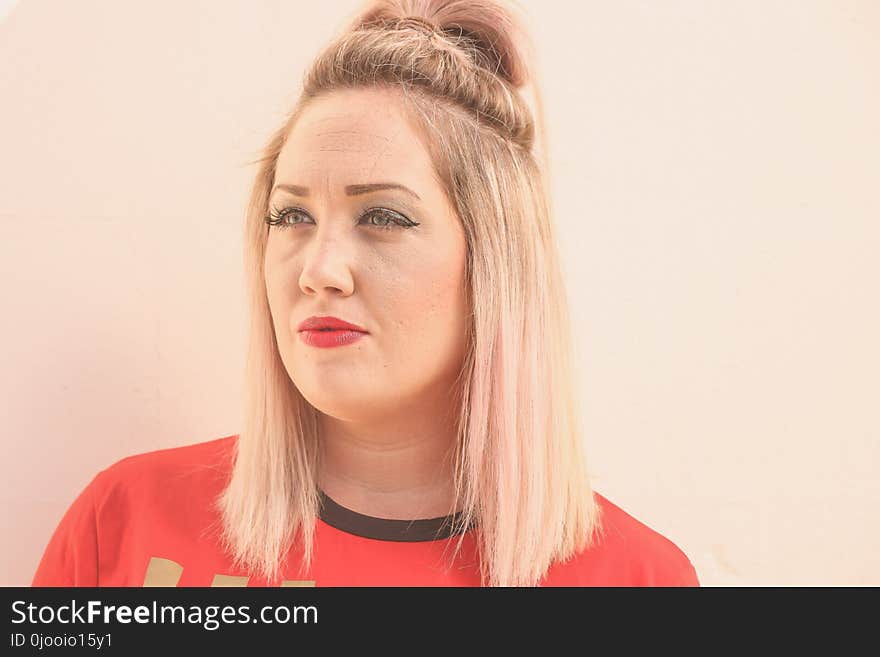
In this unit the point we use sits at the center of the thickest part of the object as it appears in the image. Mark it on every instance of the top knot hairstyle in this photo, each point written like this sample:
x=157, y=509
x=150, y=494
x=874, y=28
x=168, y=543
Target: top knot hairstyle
x=461, y=70
x=462, y=53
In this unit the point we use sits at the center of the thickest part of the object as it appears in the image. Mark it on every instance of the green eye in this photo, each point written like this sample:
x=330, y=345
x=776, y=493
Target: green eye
x=280, y=217
x=385, y=219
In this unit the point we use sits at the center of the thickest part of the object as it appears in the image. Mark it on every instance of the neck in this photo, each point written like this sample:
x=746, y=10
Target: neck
x=396, y=468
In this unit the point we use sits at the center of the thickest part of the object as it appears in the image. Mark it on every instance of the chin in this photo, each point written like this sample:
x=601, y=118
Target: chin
x=339, y=397
x=347, y=410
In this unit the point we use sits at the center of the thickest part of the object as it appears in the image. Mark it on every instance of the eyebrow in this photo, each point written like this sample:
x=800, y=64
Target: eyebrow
x=350, y=190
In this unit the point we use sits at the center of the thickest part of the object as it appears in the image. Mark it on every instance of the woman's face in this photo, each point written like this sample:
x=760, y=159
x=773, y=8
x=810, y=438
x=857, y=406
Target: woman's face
x=388, y=260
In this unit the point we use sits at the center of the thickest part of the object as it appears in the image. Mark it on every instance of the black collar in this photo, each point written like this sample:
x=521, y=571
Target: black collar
x=386, y=529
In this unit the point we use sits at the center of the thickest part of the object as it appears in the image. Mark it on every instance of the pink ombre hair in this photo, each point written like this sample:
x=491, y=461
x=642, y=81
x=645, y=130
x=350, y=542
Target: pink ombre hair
x=521, y=472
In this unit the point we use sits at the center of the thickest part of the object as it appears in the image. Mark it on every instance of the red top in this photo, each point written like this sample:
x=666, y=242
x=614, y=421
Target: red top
x=147, y=520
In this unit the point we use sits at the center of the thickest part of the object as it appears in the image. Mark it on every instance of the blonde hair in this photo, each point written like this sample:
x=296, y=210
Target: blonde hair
x=521, y=476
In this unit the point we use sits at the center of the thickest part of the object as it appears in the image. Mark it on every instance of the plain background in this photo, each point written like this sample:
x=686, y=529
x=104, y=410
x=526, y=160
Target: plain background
x=715, y=175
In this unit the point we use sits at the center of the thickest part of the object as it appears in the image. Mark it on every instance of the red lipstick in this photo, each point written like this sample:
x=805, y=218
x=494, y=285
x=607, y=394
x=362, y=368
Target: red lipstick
x=328, y=331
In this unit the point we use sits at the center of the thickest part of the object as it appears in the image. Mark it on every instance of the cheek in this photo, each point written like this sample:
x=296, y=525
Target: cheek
x=433, y=302
x=278, y=292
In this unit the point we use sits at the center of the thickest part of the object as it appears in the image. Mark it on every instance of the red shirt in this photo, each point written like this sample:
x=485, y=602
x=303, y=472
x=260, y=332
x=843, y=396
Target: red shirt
x=148, y=520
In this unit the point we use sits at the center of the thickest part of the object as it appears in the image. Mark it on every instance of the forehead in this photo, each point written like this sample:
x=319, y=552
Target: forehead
x=354, y=137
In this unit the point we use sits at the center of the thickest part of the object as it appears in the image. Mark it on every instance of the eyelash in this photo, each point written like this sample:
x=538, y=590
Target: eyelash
x=278, y=218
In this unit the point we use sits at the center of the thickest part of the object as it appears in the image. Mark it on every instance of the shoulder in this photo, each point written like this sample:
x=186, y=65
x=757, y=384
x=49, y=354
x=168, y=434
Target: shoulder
x=171, y=459
x=626, y=552
x=139, y=495
x=648, y=550
x=165, y=472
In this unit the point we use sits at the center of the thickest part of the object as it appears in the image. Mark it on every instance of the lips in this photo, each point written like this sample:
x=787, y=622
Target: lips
x=330, y=338
x=329, y=323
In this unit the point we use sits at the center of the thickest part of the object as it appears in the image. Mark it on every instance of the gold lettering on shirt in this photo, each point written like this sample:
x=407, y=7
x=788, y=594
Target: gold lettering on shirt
x=165, y=572
x=162, y=572
x=229, y=580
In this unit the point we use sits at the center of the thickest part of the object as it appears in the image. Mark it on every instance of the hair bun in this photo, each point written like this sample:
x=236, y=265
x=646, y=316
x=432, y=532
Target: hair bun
x=487, y=27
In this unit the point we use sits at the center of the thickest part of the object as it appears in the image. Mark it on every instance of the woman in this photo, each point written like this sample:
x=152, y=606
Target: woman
x=411, y=413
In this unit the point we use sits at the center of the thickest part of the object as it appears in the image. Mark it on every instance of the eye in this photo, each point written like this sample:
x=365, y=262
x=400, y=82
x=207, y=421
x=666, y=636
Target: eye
x=280, y=217
x=385, y=219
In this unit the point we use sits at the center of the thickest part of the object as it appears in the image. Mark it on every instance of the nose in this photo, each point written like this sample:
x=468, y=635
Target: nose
x=326, y=267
